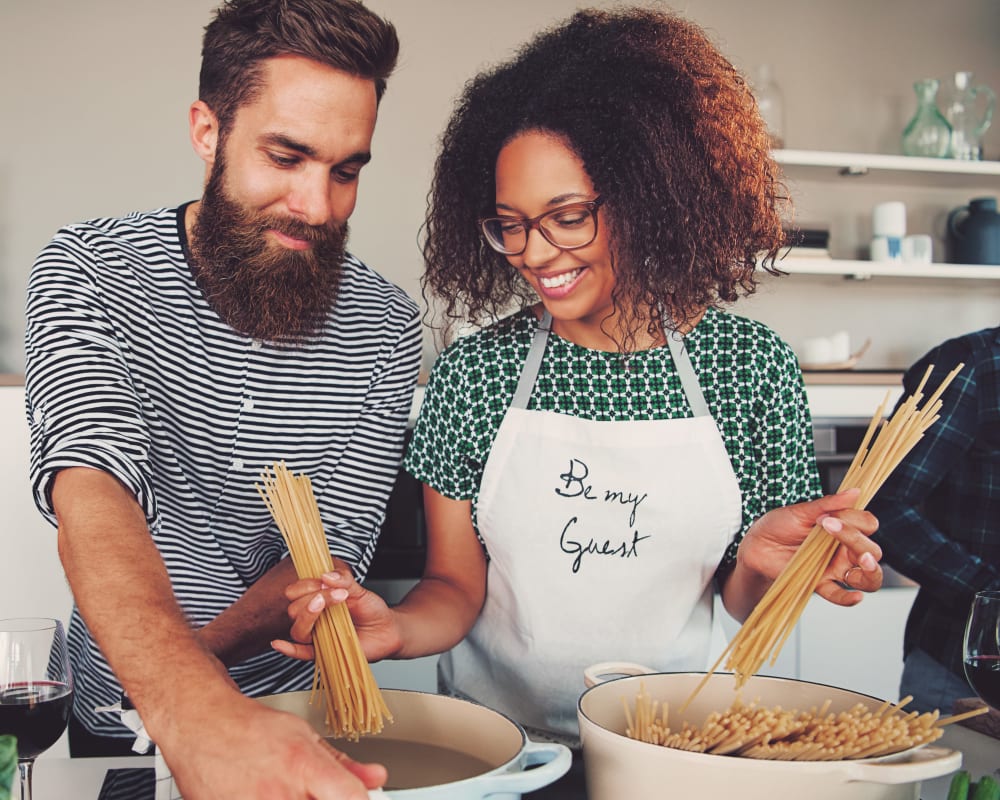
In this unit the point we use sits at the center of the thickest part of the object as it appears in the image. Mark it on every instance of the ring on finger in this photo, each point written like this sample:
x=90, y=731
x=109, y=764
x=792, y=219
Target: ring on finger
x=847, y=574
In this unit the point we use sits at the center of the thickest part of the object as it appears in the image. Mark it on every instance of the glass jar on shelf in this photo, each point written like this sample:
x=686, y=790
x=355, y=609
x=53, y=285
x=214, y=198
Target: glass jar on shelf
x=927, y=133
x=969, y=110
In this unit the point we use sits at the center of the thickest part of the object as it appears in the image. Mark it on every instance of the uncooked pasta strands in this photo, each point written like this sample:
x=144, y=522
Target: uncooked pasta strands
x=751, y=731
x=343, y=677
x=769, y=625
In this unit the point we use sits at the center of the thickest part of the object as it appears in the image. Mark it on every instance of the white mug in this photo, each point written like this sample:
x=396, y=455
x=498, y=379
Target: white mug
x=918, y=249
x=887, y=248
x=889, y=219
x=817, y=351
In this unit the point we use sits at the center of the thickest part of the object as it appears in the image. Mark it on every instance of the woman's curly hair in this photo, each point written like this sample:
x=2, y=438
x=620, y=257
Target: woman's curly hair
x=669, y=134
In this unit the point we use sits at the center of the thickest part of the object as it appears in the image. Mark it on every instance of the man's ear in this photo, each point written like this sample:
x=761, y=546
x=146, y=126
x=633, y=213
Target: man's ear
x=203, y=127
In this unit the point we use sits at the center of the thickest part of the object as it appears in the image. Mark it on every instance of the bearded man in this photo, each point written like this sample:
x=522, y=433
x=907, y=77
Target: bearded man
x=174, y=355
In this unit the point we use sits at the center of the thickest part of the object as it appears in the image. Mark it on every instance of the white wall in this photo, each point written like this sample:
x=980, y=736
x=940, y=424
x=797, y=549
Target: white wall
x=31, y=578
x=94, y=98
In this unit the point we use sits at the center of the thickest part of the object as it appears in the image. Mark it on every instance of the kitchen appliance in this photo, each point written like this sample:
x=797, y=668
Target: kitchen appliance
x=836, y=441
x=463, y=750
x=618, y=766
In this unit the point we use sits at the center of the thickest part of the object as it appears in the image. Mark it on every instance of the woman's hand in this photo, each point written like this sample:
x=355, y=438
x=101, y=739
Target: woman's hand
x=373, y=619
x=774, y=538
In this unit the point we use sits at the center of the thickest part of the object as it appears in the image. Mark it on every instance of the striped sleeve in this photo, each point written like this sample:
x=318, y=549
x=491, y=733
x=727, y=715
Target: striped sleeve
x=82, y=410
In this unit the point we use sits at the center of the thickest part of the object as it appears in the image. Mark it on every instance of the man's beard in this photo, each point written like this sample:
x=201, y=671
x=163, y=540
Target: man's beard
x=255, y=285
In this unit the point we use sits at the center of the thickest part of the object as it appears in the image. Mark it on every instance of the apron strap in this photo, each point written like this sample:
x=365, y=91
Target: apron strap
x=678, y=351
x=529, y=372
x=689, y=381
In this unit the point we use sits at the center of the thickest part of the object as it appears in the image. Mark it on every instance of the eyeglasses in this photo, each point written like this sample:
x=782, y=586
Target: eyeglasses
x=568, y=227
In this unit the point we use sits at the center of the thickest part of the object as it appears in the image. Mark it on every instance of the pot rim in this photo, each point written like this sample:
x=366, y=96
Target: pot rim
x=935, y=751
x=531, y=766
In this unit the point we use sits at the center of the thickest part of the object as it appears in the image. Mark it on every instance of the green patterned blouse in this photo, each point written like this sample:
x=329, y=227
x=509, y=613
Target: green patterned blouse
x=750, y=378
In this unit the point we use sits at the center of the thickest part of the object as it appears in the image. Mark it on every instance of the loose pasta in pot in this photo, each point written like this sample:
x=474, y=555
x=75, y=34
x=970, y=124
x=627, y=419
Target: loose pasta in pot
x=817, y=734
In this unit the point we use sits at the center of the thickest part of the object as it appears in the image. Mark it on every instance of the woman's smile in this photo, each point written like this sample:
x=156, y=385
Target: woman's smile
x=561, y=284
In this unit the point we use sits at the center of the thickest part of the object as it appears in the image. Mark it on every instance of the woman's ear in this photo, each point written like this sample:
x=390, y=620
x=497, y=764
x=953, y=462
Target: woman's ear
x=203, y=127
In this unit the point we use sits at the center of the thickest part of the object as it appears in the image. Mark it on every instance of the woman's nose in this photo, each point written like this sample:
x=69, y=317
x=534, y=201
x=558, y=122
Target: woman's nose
x=538, y=250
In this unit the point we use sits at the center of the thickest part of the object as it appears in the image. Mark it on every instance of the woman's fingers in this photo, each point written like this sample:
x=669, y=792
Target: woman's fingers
x=306, y=609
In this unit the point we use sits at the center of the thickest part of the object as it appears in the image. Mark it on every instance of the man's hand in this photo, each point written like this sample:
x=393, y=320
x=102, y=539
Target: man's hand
x=238, y=749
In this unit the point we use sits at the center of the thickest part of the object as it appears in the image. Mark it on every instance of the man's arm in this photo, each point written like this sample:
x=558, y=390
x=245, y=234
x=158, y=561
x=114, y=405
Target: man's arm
x=912, y=541
x=218, y=743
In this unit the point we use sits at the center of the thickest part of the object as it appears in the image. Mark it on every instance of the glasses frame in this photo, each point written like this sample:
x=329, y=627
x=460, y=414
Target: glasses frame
x=534, y=223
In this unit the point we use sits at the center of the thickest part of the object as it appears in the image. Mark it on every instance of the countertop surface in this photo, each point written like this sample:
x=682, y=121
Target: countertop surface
x=83, y=778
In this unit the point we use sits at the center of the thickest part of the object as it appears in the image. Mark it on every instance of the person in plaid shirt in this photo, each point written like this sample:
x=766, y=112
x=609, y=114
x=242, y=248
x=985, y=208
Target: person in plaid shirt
x=939, y=515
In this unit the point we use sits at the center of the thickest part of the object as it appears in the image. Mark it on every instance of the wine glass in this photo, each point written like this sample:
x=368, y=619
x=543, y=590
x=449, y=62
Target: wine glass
x=36, y=688
x=982, y=647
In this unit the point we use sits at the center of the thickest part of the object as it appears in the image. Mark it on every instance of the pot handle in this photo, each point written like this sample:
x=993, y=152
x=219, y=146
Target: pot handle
x=929, y=761
x=550, y=761
x=953, y=216
x=599, y=673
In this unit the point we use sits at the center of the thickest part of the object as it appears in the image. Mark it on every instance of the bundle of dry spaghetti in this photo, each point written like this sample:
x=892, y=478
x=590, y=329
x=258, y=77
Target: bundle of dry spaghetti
x=774, y=733
x=354, y=703
x=766, y=629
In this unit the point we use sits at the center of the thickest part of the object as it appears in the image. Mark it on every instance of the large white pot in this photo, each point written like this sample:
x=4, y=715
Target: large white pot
x=619, y=767
x=508, y=763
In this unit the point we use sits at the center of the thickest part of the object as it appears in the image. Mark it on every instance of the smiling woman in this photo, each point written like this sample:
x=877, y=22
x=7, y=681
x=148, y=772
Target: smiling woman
x=617, y=443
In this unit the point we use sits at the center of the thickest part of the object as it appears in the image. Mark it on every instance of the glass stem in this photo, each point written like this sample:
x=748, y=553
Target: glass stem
x=24, y=768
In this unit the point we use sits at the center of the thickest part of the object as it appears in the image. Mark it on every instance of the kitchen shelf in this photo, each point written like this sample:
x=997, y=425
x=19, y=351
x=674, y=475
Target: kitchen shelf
x=862, y=270
x=945, y=171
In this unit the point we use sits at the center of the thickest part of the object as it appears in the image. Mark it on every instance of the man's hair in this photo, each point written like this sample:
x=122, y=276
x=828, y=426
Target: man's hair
x=669, y=134
x=342, y=34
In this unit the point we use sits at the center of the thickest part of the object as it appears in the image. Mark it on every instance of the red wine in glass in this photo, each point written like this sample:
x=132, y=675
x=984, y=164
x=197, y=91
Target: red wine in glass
x=983, y=673
x=36, y=686
x=36, y=713
x=982, y=647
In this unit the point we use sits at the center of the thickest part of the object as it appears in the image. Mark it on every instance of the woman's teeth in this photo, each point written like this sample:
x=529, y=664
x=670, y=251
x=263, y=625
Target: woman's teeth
x=560, y=280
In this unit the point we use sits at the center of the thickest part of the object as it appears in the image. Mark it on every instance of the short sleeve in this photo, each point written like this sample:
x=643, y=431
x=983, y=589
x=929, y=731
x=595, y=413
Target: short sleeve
x=441, y=453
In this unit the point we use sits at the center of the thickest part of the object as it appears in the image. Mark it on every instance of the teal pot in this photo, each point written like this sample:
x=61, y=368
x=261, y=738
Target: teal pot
x=620, y=767
x=974, y=232
x=443, y=748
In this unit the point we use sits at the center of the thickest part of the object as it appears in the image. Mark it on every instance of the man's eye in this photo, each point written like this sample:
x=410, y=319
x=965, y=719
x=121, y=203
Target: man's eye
x=345, y=176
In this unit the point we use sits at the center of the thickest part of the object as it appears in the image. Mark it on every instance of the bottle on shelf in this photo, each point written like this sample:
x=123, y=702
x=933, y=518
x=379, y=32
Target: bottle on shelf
x=771, y=103
x=927, y=133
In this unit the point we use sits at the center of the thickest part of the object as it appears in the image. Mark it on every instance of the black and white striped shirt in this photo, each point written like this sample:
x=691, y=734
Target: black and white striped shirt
x=129, y=370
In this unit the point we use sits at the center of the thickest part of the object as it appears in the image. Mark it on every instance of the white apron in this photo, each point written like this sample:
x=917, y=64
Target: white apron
x=603, y=539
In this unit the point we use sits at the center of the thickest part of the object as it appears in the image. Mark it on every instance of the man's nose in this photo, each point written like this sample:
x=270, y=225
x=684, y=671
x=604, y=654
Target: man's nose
x=311, y=200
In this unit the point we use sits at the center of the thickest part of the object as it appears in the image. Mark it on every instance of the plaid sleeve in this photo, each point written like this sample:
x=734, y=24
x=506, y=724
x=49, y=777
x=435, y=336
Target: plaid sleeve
x=933, y=486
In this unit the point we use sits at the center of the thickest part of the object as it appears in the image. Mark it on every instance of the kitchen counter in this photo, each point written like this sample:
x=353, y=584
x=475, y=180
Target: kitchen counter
x=82, y=778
